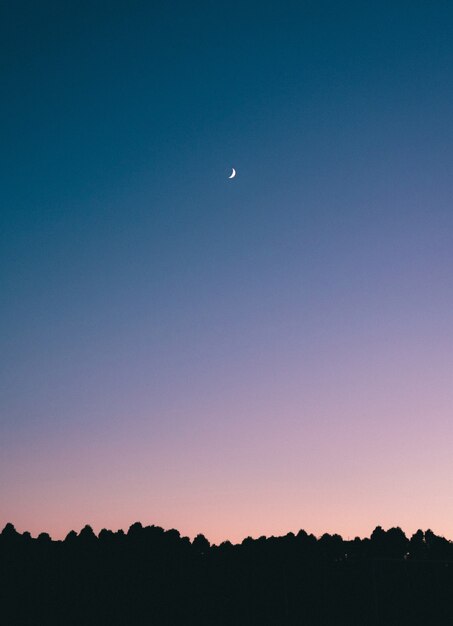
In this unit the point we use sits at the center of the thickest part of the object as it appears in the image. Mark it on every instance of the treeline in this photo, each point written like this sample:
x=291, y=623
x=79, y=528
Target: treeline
x=149, y=576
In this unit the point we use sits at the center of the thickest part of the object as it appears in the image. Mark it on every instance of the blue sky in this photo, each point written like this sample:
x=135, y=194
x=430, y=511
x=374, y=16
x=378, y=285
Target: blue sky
x=148, y=301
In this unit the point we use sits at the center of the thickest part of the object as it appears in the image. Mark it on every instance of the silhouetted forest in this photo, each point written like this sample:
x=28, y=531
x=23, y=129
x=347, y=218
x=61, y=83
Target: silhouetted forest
x=149, y=576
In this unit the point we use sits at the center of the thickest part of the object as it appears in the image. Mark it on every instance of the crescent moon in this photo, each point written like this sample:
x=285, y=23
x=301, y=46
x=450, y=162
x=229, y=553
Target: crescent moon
x=233, y=173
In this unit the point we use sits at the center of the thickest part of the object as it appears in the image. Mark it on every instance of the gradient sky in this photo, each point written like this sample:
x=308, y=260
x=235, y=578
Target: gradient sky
x=233, y=357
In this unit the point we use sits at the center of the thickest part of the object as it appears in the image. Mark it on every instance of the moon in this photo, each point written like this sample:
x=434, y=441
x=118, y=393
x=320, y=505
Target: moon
x=233, y=173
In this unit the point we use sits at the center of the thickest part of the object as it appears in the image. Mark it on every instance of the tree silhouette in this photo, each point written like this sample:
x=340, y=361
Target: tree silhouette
x=200, y=544
x=152, y=576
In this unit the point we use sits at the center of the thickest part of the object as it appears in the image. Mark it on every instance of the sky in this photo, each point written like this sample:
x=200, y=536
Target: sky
x=233, y=357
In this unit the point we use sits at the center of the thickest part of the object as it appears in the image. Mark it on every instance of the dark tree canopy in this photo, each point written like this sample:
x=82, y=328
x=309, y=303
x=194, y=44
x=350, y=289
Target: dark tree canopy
x=149, y=576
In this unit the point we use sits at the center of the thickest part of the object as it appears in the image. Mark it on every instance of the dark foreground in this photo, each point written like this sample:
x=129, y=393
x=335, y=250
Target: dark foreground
x=154, y=577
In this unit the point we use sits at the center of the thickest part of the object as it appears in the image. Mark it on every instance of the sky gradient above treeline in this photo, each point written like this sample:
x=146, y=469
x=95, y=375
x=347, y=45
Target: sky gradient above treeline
x=232, y=357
